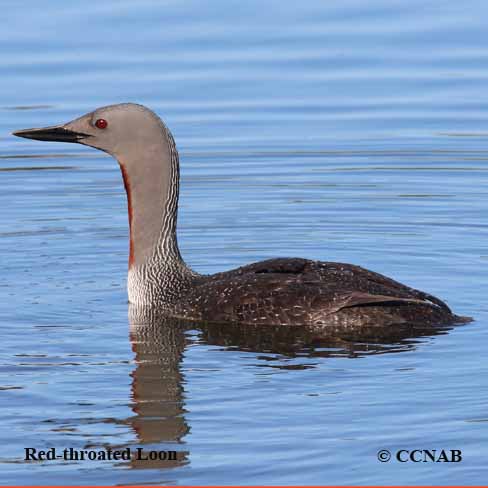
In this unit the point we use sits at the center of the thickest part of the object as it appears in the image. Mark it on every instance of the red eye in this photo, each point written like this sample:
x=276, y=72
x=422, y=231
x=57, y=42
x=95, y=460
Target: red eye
x=101, y=123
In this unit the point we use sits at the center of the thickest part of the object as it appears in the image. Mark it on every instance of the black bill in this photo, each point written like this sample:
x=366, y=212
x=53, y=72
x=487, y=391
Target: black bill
x=55, y=133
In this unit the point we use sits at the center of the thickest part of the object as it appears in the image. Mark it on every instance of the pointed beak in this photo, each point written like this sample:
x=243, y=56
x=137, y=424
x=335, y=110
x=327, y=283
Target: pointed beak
x=54, y=133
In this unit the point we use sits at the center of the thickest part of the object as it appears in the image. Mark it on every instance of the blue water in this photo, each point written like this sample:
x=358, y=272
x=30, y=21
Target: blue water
x=343, y=130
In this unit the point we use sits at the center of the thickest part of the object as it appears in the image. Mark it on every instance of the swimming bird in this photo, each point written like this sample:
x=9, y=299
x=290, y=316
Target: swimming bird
x=282, y=291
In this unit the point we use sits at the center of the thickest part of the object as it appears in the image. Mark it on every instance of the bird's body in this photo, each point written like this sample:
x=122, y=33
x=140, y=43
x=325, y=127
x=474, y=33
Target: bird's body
x=287, y=291
x=293, y=291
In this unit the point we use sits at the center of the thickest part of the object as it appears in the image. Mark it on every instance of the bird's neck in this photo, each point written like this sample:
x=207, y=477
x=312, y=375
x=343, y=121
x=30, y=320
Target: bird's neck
x=151, y=180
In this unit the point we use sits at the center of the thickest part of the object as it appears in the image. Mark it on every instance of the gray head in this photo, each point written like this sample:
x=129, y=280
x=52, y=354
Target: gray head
x=116, y=129
x=145, y=150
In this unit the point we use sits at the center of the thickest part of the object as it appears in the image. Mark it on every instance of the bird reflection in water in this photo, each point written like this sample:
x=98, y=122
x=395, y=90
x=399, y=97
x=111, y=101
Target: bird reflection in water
x=159, y=343
x=157, y=387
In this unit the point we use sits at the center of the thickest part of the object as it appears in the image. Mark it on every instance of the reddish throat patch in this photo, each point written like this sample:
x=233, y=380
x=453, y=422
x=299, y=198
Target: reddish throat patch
x=125, y=176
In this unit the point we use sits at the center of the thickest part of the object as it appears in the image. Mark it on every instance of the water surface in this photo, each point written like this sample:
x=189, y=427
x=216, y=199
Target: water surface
x=339, y=131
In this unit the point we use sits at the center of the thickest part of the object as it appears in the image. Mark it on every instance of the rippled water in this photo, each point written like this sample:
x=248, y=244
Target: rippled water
x=348, y=131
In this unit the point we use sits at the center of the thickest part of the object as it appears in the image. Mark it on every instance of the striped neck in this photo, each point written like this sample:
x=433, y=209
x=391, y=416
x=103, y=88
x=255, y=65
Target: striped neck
x=151, y=180
x=167, y=246
x=157, y=272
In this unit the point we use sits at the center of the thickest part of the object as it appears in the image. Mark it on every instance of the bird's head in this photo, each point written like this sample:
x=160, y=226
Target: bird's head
x=145, y=150
x=116, y=129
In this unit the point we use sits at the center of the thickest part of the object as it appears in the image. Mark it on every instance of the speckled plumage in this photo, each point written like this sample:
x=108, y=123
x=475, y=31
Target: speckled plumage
x=294, y=291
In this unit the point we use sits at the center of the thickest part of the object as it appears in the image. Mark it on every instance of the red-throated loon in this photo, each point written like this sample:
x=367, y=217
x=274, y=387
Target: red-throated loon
x=288, y=291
